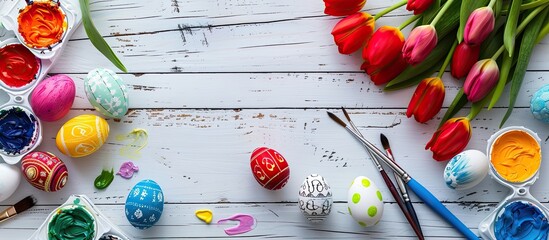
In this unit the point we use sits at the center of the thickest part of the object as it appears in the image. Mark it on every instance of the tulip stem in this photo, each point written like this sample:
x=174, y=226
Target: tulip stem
x=521, y=27
x=441, y=12
x=409, y=21
x=447, y=60
x=390, y=9
x=491, y=4
x=527, y=6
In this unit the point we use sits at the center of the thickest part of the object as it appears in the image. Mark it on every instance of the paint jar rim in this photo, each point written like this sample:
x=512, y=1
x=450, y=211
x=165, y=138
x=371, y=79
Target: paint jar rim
x=65, y=26
x=36, y=77
x=492, y=140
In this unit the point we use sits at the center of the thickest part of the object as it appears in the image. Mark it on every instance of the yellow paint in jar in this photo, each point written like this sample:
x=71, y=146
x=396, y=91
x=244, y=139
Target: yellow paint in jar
x=516, y=156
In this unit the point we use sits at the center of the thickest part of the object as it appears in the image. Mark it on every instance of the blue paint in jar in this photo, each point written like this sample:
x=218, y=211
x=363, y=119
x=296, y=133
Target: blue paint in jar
x=521, y=220
x=17, y=128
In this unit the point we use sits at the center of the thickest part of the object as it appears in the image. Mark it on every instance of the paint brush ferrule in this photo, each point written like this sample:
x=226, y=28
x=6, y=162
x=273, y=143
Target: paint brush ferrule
x=8, y=213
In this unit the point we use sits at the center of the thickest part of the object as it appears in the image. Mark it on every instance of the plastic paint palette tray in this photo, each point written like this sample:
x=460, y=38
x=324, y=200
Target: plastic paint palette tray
x=19, y=95
x=520, y=190
x=102, y=224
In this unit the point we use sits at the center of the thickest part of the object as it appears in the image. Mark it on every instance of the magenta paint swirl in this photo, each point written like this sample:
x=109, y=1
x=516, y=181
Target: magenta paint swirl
x=127, y=170
x=246, y=224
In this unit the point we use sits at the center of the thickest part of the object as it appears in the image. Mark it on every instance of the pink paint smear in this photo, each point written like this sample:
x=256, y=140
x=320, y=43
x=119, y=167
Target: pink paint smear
x=246, y=224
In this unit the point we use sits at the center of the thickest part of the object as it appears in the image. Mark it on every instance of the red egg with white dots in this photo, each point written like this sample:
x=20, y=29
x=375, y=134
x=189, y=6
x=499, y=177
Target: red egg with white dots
x=269, y=168
x=44, y=171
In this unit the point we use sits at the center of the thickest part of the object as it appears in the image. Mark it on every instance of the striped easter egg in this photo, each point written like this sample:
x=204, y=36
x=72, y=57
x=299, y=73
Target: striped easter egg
x=82, y=135
x=44, y=171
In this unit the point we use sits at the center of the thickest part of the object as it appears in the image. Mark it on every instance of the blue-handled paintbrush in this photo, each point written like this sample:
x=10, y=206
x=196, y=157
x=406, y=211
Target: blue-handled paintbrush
x=416, y=187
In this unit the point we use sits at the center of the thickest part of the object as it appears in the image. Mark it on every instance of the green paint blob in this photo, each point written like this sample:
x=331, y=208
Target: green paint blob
x=71, y=223
x=356, y=198
x=104, y=180
x=378, y=193
x=372, y=211
x=365, y=182
x=348, y=208
x=362, y=224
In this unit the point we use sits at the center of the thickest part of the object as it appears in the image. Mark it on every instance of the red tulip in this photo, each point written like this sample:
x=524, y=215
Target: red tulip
x=427, y=100
x=352, y=32
x=343, y=7
x=383, y=74
x=482, y=78
x=479, y=25
x=418, y=6
x=450, y=139
x=463, y=59
x=420, y=43
x=384, y=47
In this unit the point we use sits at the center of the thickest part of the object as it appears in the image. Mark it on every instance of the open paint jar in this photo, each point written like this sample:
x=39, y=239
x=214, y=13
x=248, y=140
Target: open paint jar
x=20, y=133
x=515, y=160
x=19, y=68
x=79, y=218
x=43, y=26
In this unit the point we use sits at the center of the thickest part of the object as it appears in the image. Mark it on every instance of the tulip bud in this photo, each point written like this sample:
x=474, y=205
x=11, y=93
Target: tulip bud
x=383, y=74
x=427, y=100
x=420, y=43
x=343, y=7
x=463, y=59
x=384, y=47
x=484, y=75
x=352, y=32
x=450, y=139
x=479, y=25
x=418, y=6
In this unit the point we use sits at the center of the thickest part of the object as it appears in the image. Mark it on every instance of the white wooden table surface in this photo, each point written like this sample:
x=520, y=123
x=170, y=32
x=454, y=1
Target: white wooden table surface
x=211, y=80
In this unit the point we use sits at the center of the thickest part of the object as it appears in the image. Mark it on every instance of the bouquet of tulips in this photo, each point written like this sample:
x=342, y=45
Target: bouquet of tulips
x=486, y=42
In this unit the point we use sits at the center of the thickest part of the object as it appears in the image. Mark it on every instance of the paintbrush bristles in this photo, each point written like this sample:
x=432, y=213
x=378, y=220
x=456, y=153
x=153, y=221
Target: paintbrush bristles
x=384, y=142
x=336, y=119
x=346, y=114
x=25, y=204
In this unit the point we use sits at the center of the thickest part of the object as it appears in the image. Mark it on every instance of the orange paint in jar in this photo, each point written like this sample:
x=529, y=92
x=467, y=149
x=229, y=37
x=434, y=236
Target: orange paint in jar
x=42, y=24
x=516, y=156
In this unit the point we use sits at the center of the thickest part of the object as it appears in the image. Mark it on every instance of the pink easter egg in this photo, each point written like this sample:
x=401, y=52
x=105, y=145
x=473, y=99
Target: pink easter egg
x=52, y=99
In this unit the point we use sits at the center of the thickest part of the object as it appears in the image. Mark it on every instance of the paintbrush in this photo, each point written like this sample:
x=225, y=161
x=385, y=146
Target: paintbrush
x=19, y=207
x=389, y=183
x=416, y=187
x=401, y=186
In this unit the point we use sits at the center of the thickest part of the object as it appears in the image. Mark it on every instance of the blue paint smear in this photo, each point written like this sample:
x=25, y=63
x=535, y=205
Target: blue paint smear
x=458, y=172
x=16, y=130
x=521, y=220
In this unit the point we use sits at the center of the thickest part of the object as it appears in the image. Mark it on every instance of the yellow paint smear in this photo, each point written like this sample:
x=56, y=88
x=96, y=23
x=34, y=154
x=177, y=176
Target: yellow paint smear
x=205, y=215
x=139, y=139
x=516, y=156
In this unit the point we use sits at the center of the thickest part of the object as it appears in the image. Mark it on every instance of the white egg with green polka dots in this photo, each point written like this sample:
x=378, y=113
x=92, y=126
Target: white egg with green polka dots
x=364, y=202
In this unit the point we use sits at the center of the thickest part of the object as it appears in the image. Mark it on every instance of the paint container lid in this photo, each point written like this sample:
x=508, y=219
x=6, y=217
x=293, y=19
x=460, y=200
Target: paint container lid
x=68, y=15
x=20, y=133
x=102, y=224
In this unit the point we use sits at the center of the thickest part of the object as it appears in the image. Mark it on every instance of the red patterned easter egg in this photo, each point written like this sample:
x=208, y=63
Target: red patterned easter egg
x=44, y=171
x=270, y=169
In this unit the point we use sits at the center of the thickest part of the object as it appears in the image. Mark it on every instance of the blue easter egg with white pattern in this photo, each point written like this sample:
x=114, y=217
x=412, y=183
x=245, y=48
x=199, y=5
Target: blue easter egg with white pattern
x=539, y=104
x=145, y=204
x=466, y=170
x=107, y=92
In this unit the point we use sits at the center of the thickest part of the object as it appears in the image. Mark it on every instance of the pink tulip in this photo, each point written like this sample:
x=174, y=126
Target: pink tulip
x=420, y=43
x=479, y=25
x=484, y=76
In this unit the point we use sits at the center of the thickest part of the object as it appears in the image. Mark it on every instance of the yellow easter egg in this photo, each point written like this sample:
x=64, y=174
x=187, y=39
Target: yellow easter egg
x=82, y=135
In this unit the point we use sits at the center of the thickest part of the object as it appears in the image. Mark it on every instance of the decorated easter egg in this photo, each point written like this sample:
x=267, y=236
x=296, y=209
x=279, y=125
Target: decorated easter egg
x=9, y=180
x=144, y=204
x=44, y=171
x=539, y=104
x=466, y=169
x=82, y=135
x=52, y=99
x=107, y=92
x=315, y=198
x=364, y=202
x=269, y=168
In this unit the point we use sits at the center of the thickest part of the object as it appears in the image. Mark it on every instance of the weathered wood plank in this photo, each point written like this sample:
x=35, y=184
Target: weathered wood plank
x=276, y=90
x=273, y=221
x=200, y=156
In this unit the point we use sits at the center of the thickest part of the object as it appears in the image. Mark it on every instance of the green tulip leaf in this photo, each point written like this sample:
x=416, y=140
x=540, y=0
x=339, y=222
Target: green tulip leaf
x=431, y=12
x=457, y=104
x=510, y=33
x=527, y=44
x=96, y=38
x=414, y=80
x=505, y=69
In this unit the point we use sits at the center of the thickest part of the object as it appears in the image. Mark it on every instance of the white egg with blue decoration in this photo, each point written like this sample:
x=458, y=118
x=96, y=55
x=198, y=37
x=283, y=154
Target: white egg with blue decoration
x=466, y=169
x=107, y=92
x=144, y=204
